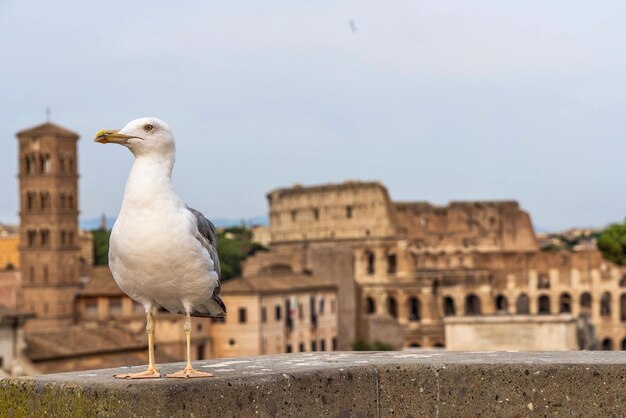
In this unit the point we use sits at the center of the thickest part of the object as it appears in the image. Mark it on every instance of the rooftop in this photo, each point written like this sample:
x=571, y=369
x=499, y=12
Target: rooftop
x=288, y=283
x=48, y=128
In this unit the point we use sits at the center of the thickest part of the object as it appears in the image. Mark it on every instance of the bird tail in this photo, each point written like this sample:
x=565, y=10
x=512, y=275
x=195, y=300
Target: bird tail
x=214, y=308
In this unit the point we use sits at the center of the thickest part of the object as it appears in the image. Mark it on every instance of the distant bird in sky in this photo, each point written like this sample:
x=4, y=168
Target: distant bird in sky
x=352, y=25
x=162, y=253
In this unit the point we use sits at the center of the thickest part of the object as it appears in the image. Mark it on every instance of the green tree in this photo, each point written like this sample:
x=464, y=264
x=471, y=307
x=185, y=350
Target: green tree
x=612, y=243
x=101, y=246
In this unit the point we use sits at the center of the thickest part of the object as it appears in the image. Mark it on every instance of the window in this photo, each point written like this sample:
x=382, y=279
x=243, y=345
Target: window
x=322, y=345
x=349, y=212
x=322, y=302
x=313, y=345
x=70, y=238
x=472, y=305
x=335, y=344
x=565, y=303
x=45, y=274
x=313, y=313
x=522, y=306
x=585, y=301
x=371, y=262
x=622, y=305
x=263, y=314
x=91, y=307
x=544, y=305
x=231, y=342
x=415, y=309
x=45, y=238
x=392, y=307
x=543, y=281
x=277, y=313
x=63, y=237
x=70, y=201
x=502, y=304
x=301, y=347
x=392, y=262
x=370, y=305
x=605, y=304
x=115, y=305
x=242, y=315
x=288, y=348
x=200, y=352
x=316, y=214
x=47, y=164
x=448, y=306
x=61, y=164
x=294, y=215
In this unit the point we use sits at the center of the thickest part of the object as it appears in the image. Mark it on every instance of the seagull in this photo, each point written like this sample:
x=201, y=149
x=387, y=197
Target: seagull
x=162, y=253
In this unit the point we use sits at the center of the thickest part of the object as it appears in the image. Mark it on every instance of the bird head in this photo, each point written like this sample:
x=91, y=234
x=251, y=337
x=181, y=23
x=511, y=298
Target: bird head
x=141, y=136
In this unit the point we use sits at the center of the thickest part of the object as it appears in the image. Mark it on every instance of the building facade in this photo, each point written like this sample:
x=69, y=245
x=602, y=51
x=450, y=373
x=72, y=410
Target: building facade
x=49, y=250
x=417, y=263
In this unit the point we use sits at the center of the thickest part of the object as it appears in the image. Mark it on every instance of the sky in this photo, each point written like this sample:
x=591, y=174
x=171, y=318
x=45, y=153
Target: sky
x=438, y=100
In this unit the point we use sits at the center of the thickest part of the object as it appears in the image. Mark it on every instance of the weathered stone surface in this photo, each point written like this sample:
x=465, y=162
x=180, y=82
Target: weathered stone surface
x=406, y=384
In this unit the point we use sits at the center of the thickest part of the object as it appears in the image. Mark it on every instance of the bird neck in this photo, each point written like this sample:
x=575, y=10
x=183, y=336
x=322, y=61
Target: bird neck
x=150, y=179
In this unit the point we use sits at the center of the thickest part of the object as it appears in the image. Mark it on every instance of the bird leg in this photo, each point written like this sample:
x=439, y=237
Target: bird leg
x=188, y=371
x=152, y=372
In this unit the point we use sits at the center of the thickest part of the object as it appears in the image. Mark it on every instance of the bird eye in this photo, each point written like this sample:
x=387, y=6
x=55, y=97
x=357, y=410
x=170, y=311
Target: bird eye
x=148, y=127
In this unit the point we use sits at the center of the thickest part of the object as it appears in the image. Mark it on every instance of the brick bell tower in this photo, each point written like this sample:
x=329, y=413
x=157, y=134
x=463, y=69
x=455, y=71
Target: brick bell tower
x=49, y=246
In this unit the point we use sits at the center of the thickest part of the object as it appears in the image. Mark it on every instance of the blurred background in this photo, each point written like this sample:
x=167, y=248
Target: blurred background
x=406, y=176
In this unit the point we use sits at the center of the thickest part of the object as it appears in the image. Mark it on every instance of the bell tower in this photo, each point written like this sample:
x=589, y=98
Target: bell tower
x=49, y=245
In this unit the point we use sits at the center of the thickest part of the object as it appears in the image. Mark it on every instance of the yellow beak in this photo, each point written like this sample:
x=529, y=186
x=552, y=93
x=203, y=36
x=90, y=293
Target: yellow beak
x=113, y=136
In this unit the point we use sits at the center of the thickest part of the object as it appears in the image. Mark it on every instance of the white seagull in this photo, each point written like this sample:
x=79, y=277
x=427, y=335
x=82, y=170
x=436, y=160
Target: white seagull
x=162, y=253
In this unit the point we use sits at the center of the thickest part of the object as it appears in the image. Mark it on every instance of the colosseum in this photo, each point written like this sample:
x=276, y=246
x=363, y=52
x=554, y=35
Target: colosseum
x=401, y=268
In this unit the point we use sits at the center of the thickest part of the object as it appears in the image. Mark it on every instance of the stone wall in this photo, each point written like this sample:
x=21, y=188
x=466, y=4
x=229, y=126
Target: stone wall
x=408, y=383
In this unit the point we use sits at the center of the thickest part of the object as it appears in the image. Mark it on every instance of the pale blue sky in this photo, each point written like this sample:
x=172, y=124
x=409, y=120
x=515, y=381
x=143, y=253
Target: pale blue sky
x=445, y=100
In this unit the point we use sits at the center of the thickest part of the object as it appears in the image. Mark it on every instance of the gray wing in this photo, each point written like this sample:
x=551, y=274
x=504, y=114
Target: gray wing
x=208, y=237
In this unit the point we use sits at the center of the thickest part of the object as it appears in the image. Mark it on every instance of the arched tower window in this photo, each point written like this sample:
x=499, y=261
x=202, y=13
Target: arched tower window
x=61, y=164
x=370, y=305
x=415, y=309
x=47, y=164
x=605, y=304
x=62, y=201
x=348, y=212
x=544, y=304
x=522, y=306
x=565, y=303
x=472, y=305
x=448, y=306
x=32, y=238
x=70, y=238
x=392, y=307
x=70, y=201
x=502, y=304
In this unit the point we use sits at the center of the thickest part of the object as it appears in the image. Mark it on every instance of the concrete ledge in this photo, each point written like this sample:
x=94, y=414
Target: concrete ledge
x=410, y=383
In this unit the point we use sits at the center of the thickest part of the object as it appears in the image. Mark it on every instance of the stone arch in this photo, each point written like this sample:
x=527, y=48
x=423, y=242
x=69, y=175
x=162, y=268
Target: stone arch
x=448, y=306
x=392, y=306
x=605, y=304
x=415, y=309
x=565, y=303
x=502, y=304
x=585, y=301
x=543, y=303
x=370, y=260
x=370, y=305
x=522, y=305
x=472, y=305
x=607, y=344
